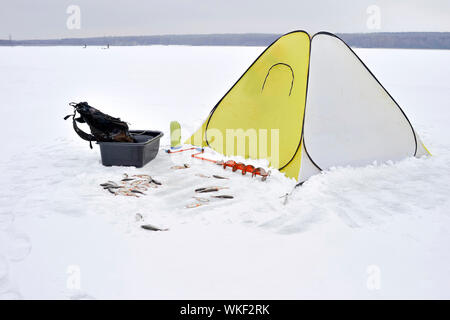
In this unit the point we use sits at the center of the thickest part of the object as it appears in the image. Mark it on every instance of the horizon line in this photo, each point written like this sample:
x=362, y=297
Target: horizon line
x=216, y=34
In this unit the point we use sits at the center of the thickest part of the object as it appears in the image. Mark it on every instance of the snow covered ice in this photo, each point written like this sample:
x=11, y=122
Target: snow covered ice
x=381, y=231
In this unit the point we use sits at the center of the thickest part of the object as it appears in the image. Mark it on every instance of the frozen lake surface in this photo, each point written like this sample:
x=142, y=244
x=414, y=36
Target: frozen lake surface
x=381, y=231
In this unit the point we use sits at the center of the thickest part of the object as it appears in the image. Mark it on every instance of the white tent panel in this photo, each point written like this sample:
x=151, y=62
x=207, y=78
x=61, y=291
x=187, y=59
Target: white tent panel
x=350, y=118
x=307, y=168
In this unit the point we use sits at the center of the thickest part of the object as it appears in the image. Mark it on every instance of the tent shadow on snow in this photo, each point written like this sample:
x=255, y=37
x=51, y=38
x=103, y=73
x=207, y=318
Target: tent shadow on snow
x=308, y=104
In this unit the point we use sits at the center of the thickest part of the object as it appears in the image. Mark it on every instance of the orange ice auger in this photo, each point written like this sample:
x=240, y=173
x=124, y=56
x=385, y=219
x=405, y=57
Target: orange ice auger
x=230, y=163
x=244, y=168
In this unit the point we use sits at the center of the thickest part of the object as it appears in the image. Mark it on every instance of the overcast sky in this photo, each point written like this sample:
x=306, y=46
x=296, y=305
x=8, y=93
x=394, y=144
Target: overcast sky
x=40, y=19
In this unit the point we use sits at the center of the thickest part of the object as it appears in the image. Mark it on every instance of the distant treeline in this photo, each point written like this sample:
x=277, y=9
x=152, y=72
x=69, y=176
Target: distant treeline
x=413, y=40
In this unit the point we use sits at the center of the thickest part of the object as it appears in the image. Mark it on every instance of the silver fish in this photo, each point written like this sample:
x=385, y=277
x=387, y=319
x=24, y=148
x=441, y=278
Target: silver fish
x=202, y=175
x=136, y=191
x=204, y=190
x=184, y=166
x=153, y=228
x=209, y=189
x=219, y=177
x=112, y=191
x=112, y=183
x=156, y=182
x=110, y=186
x=201, y=199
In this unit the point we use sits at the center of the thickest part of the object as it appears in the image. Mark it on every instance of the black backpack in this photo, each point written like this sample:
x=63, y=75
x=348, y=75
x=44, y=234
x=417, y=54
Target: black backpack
x=103, y=127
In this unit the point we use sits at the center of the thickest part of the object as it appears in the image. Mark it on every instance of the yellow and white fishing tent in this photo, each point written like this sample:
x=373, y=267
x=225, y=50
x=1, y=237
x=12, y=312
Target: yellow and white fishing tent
x=307, y=104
